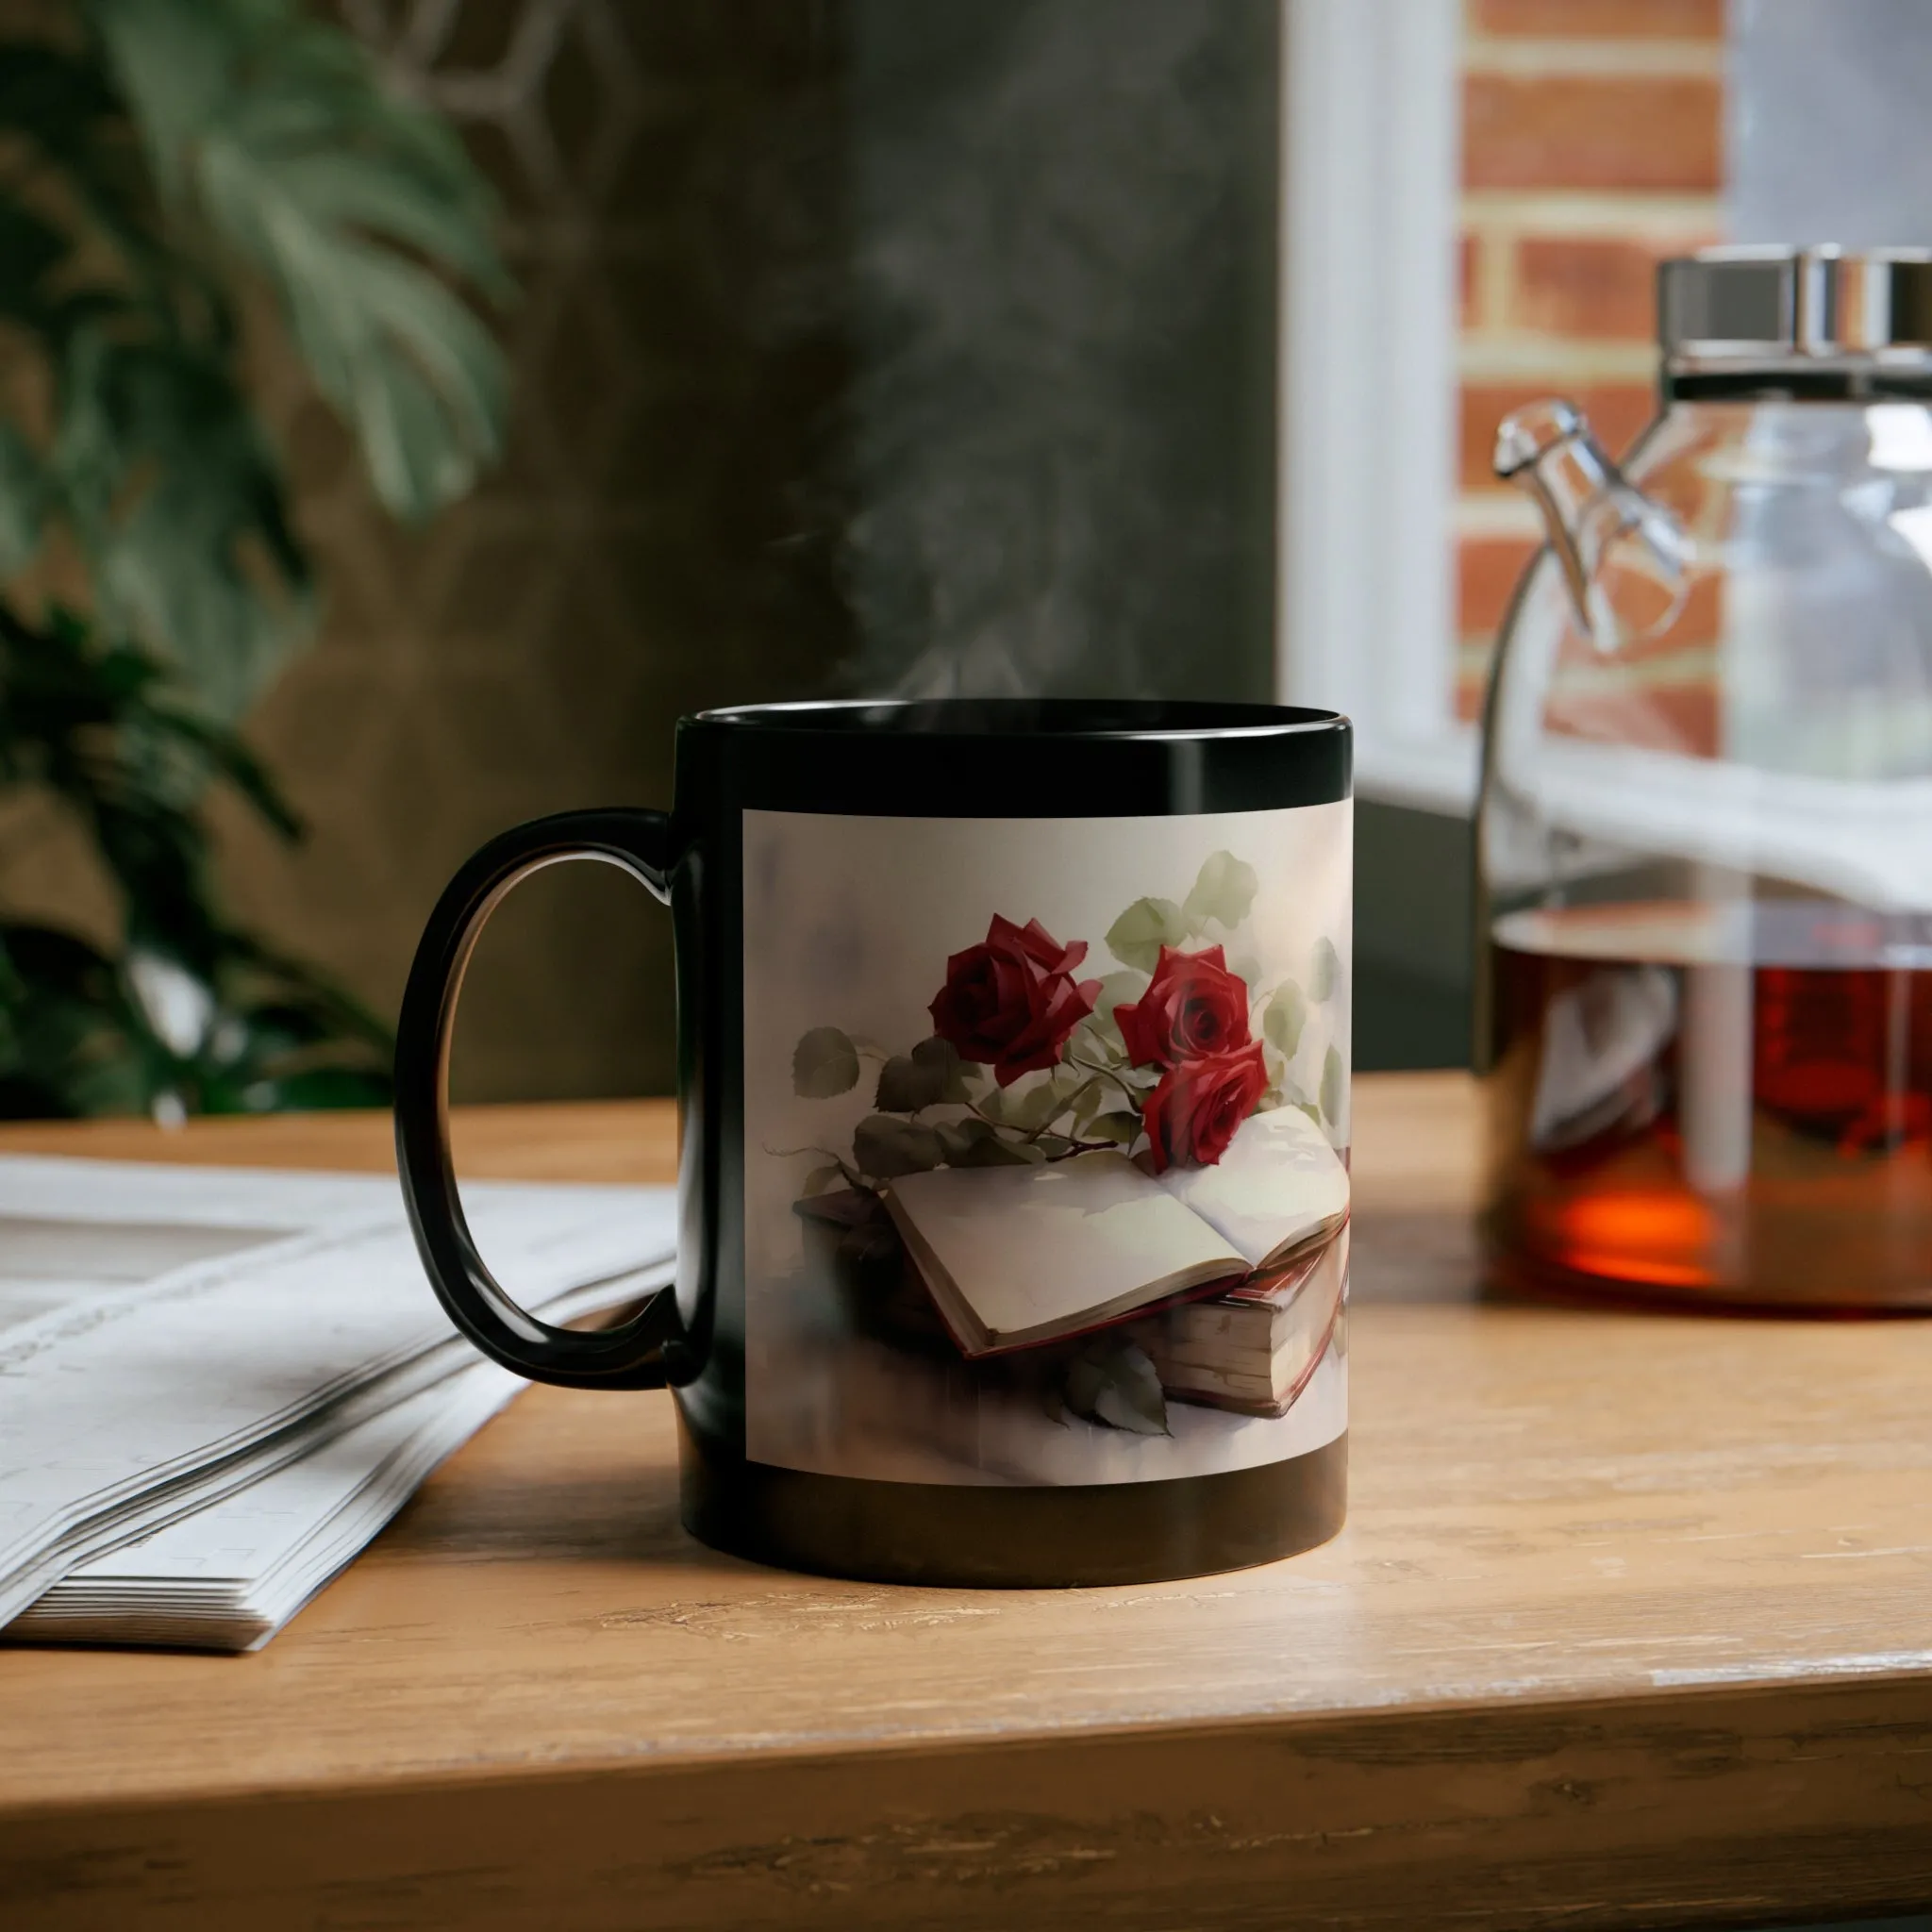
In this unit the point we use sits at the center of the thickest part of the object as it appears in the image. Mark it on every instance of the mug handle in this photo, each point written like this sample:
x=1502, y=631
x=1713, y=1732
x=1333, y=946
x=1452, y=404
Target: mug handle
x=627, y=1357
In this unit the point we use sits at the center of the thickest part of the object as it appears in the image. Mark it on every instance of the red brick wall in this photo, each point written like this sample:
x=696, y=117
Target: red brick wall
x=1592, y=147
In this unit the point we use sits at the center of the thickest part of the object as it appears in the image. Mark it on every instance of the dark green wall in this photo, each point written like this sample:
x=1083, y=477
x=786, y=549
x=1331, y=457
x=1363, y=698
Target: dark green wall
x=1412, y=938
x=1061, y=422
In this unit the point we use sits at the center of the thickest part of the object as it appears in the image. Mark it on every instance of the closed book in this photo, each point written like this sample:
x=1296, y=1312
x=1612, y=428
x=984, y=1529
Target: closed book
x=1252, y=1347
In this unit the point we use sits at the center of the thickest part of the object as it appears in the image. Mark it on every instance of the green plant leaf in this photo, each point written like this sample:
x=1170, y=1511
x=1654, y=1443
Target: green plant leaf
x=174, y=500
x=1324, y=974
x=931, y=1073
x=1136, y=937
x=1224, y=892
x=159, y=150
x=957, y=1077
x=229, y=757
x=1122, y=1127
x=1284, y=1017
x=1101, y=1046
x=1113, y=1381
x=308, y=1089
x=60, y=103
x=957, y=1137
x=1088, y=1101
x=1031, y=1107
x=885, y=1146
x=71, y=1044
x=825, y=1062
x=275, y=148
x=974, y=1143
x=905, y=1086
x=274, y=130
x=191, y=1010
x=1334, y=1087
x=1119, y=990
x=22, y=497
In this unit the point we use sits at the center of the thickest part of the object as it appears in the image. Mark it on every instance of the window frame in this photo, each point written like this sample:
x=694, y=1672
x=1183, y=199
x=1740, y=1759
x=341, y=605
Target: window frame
x=1370, y=152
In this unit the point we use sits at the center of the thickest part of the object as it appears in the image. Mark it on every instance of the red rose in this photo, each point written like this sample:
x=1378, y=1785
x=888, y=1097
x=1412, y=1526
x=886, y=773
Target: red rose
x=1010, y=1002
x=1194, y=1006
x=1191, y=1116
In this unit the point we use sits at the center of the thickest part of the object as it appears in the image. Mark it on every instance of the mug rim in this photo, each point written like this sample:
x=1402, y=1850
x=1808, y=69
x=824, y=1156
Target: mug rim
x=1046, y=720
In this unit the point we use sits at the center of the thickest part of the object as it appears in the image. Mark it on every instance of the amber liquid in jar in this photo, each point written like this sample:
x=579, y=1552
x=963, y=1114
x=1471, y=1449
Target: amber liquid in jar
x=1720, y=1104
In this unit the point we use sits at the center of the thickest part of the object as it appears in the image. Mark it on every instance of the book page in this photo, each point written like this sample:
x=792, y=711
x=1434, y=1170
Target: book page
x=1039, y=1251
x=1277, y=1183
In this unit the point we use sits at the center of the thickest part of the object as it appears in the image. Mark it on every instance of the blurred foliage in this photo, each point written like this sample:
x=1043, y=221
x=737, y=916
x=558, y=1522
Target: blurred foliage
x=194, y=1015
x=158, y=157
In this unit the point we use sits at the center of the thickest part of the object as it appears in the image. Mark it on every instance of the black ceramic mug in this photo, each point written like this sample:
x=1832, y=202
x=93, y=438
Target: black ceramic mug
x=1013, y=1084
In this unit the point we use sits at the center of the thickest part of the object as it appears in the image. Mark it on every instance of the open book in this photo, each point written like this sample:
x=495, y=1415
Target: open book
x=1018, y=1255
x=1252, y=1348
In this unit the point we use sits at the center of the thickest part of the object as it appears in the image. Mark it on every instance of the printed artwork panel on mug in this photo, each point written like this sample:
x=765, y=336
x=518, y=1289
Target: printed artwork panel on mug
x=1046, y=1137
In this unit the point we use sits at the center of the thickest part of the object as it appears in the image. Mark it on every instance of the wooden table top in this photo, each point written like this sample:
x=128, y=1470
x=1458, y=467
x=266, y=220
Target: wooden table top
x=1631, y=1623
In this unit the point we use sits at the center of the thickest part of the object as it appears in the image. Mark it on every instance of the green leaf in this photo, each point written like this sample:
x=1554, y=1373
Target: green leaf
x=231, y=758
x=63, y=109
x=305, y=1090
x=957, y=1138
x=1284, y=1017
x=1122, y=1127
x=276, y=133
x=159, y=151
x=885, y=1146
x=905, y=1086
x=1112, y=1381
x=1088, y=1101
x=1096, y=1041
x=1224, y=892
x=1324, y=974
x=1032, y=1106
x=974, y=1143
x=940, y=1058
x=824, y=1062
x=175, y=500
x=22, y=499
x=1119, y=990
x=1136, y=937
x=1334, y=1087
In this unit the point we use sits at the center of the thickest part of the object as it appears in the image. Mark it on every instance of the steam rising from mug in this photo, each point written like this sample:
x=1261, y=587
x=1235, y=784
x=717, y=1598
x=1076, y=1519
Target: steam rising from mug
x=1062, y=219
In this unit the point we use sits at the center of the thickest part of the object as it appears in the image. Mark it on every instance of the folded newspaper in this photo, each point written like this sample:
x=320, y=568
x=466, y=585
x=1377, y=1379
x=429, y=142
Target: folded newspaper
x=217, y=1385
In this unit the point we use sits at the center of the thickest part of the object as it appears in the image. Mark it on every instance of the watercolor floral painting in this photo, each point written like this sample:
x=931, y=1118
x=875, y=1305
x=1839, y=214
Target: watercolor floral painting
x=1155, y=1044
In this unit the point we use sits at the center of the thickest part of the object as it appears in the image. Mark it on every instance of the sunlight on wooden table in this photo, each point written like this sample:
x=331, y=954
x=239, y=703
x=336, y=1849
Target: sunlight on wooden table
x=1630, y=1623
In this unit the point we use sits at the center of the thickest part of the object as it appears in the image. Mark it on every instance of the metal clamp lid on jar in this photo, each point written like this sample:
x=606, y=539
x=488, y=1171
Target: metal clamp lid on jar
x=1796, y=319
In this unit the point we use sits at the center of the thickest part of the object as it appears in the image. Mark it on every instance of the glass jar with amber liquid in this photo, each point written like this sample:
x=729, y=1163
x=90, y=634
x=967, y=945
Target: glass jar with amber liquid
x=1705, y=837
